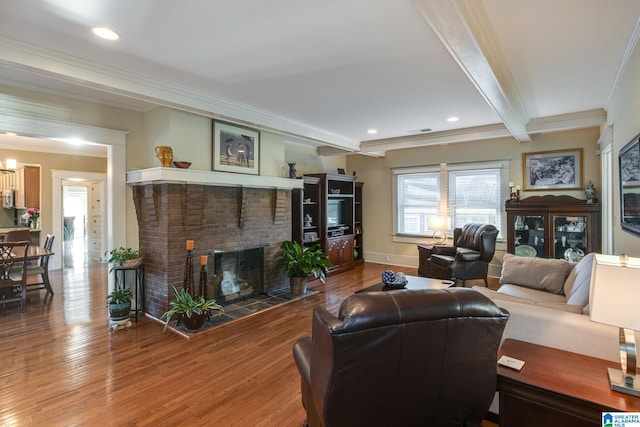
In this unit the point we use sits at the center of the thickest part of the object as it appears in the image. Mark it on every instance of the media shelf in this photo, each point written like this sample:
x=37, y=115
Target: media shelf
x=358, y=244
x=330, y=200
x=306, y=213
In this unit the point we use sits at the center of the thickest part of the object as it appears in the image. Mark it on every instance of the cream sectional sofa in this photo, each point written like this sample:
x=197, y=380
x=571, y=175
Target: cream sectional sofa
x=548, y=302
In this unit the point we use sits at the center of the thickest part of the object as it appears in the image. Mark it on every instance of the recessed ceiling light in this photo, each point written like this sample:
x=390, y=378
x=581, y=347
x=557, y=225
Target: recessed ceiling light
x=105, y=33
x=452, y=119
x=372, y=131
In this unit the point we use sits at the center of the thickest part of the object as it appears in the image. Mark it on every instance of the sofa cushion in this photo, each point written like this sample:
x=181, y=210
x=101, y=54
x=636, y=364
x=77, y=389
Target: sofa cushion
x=536, y=273
x=578, y=283
x=497, y=297
x=533, y=294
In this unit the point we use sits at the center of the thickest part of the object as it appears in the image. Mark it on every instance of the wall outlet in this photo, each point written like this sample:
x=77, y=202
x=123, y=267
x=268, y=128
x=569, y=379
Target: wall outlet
x=386, y=258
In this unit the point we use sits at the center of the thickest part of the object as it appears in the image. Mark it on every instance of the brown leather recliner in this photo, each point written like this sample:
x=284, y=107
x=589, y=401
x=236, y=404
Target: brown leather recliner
x=469, y=258
x=402, y=358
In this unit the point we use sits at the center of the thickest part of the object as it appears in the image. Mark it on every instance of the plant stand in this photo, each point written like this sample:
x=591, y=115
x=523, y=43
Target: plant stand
x=138, y=286
x=116, y=325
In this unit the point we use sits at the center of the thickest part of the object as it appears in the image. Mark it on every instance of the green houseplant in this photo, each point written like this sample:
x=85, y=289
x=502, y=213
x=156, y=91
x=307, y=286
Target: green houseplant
x=301, y=262
x=119, y=303
x=192, y=310
x=123, y=257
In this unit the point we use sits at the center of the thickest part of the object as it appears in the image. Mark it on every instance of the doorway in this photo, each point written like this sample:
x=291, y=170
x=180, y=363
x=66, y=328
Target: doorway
x=89, y=217
x=75, y=247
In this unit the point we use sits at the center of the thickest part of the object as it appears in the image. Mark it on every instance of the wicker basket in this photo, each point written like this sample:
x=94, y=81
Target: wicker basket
x=132, y=263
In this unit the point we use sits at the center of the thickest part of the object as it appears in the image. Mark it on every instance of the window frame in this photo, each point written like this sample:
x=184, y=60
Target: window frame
x=444, y=170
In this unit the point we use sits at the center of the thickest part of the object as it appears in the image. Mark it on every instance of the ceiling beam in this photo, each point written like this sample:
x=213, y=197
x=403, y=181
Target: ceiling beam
x=464, y=29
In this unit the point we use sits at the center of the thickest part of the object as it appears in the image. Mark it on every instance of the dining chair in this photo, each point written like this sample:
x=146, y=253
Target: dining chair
x=18, y=236
x=41, y=269
x=13, y=273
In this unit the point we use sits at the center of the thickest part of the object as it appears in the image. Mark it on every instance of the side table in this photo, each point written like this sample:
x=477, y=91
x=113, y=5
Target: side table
x=137, y=306
x=424, y=253
x=557, y=388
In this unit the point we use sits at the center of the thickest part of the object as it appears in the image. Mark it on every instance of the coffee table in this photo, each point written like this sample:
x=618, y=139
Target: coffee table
x=414, y=283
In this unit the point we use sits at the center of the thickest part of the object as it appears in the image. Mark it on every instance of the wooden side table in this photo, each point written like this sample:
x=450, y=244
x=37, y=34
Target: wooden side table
x=557, y=388
x=424, y=253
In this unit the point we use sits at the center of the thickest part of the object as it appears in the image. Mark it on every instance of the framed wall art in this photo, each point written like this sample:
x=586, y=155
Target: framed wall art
x=235, y=148
x=552, y=170
x=629, y=162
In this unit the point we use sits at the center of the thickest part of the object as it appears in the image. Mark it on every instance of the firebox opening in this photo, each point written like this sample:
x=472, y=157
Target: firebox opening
x=236, y=275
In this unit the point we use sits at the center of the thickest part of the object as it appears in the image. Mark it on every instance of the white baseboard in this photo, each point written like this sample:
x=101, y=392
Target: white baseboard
x=391, y=259
x=412, y=261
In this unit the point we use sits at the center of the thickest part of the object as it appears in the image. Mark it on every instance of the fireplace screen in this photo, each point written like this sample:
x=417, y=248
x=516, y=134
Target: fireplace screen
x=236, y=275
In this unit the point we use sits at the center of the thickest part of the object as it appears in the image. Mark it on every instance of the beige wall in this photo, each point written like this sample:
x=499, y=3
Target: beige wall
x=624, y=114
x=377, y=191
x=47, y=162
x=308, y=161
x=22, y=102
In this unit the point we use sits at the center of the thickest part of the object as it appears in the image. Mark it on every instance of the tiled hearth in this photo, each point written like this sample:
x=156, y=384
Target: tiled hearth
x=224, y=218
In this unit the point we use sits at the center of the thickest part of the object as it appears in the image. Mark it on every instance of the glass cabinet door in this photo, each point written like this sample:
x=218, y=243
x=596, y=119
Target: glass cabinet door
x=529, y=235
x=570, y=237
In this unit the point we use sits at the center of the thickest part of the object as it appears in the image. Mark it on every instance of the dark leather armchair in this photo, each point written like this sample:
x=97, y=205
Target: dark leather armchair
x=474, y=246
x=402, y=358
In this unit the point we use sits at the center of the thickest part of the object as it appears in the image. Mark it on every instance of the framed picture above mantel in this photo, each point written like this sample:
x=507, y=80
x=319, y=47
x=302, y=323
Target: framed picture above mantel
x=553, y=170
x=235, y=148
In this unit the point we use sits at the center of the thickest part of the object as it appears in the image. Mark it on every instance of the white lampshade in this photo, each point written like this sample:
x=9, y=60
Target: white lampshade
x=439, y=223
x=11, y=164
x=614, y=297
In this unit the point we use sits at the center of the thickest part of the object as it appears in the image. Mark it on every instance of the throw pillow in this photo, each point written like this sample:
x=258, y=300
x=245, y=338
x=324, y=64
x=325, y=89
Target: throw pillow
x=536, y=273
x=578, y=283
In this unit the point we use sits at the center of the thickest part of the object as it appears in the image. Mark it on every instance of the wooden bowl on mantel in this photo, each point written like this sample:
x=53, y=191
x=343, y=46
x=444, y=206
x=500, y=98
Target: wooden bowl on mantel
x=182, y=165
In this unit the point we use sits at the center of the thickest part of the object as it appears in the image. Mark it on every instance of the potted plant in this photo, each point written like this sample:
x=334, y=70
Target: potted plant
x=123, y=257
x=192, y=310
x=300, y=262
x=119, y=303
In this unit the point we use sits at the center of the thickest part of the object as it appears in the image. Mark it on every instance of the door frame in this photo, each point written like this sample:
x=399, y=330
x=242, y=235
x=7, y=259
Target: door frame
x=57, y=222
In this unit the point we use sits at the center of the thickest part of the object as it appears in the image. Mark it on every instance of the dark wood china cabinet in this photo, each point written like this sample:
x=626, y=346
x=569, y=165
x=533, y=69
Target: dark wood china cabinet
x=560, y=227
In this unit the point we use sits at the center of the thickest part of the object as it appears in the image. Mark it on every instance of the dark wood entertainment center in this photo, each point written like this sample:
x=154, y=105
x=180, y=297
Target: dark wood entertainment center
x=328, y=212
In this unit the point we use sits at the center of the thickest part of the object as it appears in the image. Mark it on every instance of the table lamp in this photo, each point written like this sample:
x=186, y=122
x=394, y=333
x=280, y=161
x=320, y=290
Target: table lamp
x=614, y=299
x=440, y=224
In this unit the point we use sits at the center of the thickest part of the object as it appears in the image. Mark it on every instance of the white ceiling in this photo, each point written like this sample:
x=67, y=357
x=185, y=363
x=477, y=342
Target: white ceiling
x=327, y=71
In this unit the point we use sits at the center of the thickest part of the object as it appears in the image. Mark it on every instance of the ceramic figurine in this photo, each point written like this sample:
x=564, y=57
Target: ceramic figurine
x=590, y=192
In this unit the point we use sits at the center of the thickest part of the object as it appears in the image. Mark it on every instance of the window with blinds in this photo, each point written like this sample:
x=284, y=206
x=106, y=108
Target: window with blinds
x=418, y=199
x=465, y=193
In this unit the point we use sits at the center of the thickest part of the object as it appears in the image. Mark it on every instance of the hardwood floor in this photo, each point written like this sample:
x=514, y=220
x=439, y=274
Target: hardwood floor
x=62, y=365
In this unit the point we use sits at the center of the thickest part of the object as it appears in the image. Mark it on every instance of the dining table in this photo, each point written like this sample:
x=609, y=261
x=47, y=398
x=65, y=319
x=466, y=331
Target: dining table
x=34, y=253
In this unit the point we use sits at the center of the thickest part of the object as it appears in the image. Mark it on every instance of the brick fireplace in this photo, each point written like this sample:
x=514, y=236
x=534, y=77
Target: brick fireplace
x=217, y=218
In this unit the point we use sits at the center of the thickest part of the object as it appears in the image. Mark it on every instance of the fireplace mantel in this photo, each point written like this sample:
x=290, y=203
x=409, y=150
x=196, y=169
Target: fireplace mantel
x=224, y=179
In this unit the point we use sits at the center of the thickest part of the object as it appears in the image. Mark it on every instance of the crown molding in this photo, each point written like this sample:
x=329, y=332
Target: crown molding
x=106, y=79
x=470, y=134
x=626, y=57
x=560, y=122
